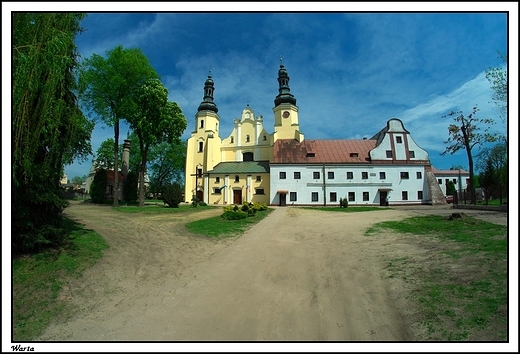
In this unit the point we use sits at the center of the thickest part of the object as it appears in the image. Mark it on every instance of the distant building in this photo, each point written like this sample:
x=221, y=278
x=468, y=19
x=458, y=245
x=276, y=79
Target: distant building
x=282, y=168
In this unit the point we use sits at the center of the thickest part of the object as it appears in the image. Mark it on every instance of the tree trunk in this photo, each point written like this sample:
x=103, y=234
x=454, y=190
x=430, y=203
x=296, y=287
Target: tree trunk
x=141, y=177
x=471, y=182
x=116, y=153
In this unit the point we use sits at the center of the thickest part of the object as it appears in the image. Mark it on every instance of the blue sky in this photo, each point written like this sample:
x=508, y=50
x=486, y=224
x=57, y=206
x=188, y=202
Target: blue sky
x=350, y=72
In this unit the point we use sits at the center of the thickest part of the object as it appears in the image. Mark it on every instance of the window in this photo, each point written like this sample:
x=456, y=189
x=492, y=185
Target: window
x=333, y=196
x=217, y=179
x=292, y=196
x=419, y=195
x=217, y=190
x=330, y=175
x=382, y=175
x=232, y=140
x=199, y=172
x=265, y=138
x=237, y=179
x=398, y=139
x=248, y=156
x=202, y=123
x=364, y=175
x=259, y=178
x=311, y=154
x=447, y=180
x=419, y=175
x=467, y=181
x=405, y=195
x=316, y=175
x=455, y=181
x=259, y=191
x=389, y=154
x=365, y=196
x=351, y=196
x=314, y=196
x=404, y=175
x=297, y=175
x=201, y=146
x=247, y=138
x=350, y=175
x=412, y=154
x=282, y=175
x=354, y=154
x=440, y=181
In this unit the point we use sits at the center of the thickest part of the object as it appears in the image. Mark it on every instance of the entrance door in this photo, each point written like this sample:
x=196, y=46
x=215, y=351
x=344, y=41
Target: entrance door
x=200, y=195
x=382, y=198
x=237, y=196
x=283, y=199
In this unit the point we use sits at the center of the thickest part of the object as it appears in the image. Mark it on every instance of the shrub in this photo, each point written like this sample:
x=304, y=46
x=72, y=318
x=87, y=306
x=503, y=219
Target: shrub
x=172, y=195
x=343, y=202
x=98, y=186
x=234, y=215
x=130, y=187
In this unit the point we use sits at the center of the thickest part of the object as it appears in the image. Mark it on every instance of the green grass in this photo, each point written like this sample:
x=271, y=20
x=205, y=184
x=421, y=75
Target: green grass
x=216, y=227
x=461, y=287
x=492, y=202
x=350, y=209
x=161, y=209
x=38, y=279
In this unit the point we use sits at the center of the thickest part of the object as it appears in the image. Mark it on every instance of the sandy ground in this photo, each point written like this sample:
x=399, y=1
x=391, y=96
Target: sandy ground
x=298, y=275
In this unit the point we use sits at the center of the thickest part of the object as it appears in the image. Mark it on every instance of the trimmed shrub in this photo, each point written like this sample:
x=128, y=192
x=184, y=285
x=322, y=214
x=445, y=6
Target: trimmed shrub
x=234, y=215
x=98, y=186
x=172, y=195
x=343, y=202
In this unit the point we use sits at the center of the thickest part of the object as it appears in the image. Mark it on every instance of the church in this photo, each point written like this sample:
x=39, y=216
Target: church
x=283, y=168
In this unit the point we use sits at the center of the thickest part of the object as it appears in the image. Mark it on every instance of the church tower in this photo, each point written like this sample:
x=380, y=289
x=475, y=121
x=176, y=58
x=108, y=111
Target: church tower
x=203, y=147
x=286, y=123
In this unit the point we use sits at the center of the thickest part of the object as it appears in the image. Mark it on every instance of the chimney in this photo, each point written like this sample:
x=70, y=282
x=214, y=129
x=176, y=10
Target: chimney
x=126, y=158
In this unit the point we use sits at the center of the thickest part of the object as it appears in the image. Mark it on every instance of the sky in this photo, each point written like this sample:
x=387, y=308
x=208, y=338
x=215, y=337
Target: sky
x=349, y=71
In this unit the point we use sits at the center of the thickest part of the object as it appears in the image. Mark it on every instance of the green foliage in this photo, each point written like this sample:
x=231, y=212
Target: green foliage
x=172, y=195
x=246, y=209
x=130, y=187
x=166, y=164
x=498, y=79
x=48, y=128
x=343, y=202
x=105, y=155
x=450, y=188
x=107, y=89
x=234, y=215
x=154, y=120
x=98, y=186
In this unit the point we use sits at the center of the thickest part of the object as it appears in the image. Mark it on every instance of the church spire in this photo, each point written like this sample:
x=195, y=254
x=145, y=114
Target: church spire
x=284, y=92
x=207, y=104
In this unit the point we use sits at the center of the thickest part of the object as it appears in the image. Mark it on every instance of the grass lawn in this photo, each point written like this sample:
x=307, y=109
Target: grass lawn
x=350, y=209
x=38, y=279
x=461, y=281
x=218, y=227
x=161, y=209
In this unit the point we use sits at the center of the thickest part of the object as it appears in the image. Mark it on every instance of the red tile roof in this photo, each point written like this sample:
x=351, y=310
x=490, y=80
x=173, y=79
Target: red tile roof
x=325, y=151
x=110, y=175
x=449, y=172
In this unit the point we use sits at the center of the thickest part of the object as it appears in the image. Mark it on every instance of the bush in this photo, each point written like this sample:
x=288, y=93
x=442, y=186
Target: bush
x=234, y=215
x=343, y=202
x=172, y=195
x=98, y=186
x=130, y=187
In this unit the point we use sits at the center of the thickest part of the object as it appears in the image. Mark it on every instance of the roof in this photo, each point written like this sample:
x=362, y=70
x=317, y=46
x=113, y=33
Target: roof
x=325, y=151
x=241, y=167
x=449, y=172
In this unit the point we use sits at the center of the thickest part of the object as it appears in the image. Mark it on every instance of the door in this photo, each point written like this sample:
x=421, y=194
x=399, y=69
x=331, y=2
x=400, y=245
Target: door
x=200, y=195
x=382, y=198
x=283, y=199
x=237, y=196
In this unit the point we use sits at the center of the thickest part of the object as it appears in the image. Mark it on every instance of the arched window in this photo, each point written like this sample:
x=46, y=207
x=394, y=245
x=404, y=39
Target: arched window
x=202, y=123
x=237, y=179
x=201, y=146
x=247, y=138
x=265, y=138
x=247, y=156
x=231, y=140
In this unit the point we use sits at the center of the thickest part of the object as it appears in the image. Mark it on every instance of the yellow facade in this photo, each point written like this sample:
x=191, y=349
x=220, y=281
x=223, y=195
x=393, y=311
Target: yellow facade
x=248, y=141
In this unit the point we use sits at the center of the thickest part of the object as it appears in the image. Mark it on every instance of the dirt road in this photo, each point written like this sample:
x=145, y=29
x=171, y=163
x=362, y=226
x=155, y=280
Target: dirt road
x=297, y=275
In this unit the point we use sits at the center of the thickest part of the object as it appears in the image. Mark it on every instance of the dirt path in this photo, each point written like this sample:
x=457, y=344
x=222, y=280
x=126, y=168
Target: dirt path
x=297, y=275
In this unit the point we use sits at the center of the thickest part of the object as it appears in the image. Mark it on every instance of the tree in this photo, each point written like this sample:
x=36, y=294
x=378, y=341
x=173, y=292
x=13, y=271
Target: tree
x=464, y=134
x=107, y=87
x=450, y=188
x=98, y=186
x=172, y=195
x=167, y=163
x=154, y=120
x=497, y=77
x=48, y=128
x=493, y=161
x=105, y=155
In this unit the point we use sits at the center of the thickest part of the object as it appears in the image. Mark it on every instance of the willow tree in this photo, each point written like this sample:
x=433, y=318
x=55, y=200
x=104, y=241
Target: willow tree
x=48, y=128
x=155, y=120
x=107, y=86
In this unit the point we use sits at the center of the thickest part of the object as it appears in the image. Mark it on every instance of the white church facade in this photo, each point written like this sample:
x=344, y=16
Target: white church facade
x=283, y=168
